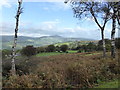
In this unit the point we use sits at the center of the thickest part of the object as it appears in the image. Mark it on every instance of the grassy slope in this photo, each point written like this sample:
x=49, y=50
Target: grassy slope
x=111, y=84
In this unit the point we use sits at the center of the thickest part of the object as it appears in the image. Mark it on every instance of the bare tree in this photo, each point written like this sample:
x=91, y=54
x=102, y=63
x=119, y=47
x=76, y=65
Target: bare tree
x=19, y=11
x=96, y=10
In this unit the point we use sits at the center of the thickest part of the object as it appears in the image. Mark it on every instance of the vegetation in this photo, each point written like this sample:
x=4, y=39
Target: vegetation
x=110, y=84
x=6, y=53
x=63, y=48
x=99, y=10
x=50, y=48
x=37, y=42
x=69, y=64
x=28, y=51
x=91, y=9
x=117, y=43
x=48, y=54
x=70, y=70
x=60, y=69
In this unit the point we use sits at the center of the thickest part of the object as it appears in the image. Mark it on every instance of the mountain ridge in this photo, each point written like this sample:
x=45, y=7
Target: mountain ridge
x=22, y=41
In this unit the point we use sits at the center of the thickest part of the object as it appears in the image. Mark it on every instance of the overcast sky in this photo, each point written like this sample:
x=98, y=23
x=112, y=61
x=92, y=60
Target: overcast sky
x=47, y=19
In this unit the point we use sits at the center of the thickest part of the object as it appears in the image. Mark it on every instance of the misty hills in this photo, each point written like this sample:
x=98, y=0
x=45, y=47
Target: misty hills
x=7, y=41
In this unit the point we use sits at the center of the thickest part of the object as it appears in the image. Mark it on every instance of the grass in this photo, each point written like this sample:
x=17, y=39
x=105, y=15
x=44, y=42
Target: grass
x=48, y=54
x=55, y=53
x=111, y=84
x=72, y=51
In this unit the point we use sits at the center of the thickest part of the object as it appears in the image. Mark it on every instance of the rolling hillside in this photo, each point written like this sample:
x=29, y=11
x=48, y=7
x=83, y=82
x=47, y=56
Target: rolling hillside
x=7, y=41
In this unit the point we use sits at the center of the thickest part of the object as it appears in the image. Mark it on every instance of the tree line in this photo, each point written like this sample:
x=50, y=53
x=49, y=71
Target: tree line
x=90, y=47
x=30, y=50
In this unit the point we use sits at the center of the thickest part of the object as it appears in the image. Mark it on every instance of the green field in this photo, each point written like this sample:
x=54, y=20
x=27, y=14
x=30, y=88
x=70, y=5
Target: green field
x=55, y=53
x=48, y=54
x=111, y=84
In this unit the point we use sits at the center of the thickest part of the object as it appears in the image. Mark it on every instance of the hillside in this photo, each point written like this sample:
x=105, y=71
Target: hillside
x=7, y=41
x=63, y=70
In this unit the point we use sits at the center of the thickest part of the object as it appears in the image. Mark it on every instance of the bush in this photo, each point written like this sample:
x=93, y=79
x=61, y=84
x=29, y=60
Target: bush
x=21, y=67
x=50, y=48
x=41, y=49
x=57, y=48
x=28, y=50
x=107, y=44
x=91, y=47
x=24, y=81
x=64, y=48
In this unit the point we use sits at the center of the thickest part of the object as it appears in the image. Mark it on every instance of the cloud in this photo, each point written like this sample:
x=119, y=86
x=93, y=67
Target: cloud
x=62, y=5
x=44, y=0
x=50, y=28
x=7, y=3
x=55, y=6
x=4, y=3
x=49, y=25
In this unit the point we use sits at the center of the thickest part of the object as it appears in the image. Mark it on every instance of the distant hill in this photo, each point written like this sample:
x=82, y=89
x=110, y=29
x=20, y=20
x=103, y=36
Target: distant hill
x=7, y=41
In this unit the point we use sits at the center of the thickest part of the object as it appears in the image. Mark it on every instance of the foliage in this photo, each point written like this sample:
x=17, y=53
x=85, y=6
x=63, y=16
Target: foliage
x=91, y=47
x=57, y=48
x=107, y=44
x=107, y=41
x=50, y=48
x=40, y=49
x=6, y=53
x=28, y=50
x=63, y=48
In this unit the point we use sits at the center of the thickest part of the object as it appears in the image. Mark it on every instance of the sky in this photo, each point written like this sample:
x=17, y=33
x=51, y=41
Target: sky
x=47, y=19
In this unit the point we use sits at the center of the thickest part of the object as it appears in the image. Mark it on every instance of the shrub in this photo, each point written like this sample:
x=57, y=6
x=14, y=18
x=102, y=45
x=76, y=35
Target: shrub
x=50, y=48
x=21, y=68
x=28, y=50
x=64, y=48
x=57, y=48
x=41, y=49
x=91, y=47
x=24, y=81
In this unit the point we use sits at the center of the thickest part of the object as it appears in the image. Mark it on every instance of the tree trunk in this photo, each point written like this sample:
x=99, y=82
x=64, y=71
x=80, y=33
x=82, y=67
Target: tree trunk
x=113, y=37
x=103, y=42
x=114, y=17
x=19, y=11
x=13, y=70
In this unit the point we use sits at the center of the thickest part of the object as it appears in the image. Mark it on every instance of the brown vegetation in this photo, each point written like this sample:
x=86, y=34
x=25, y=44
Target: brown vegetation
x=78, y=70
